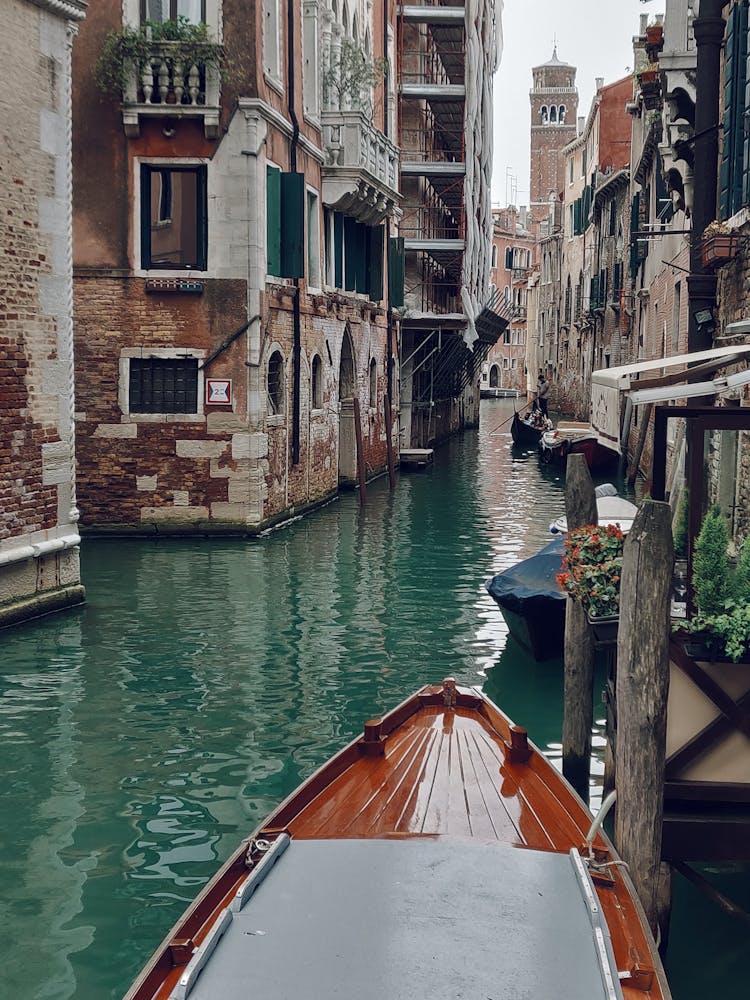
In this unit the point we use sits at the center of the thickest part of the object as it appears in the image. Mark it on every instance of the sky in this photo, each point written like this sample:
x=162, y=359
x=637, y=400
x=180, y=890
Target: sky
x=593, y=35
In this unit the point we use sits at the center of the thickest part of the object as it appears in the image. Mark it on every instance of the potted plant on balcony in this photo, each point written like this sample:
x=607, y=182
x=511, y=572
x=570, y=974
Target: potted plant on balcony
x=721, y=627
x=182, y=45
x=592, y=567
x=718, y=245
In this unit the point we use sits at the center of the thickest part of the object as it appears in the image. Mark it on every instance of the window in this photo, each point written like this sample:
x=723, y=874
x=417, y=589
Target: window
x=317, y=383
x=285, y=216
x=276, y=383
x=173, y=217
x=193, y=11
x=357, y=259
x=571, y=164
x=494, y=255
x=561, y=114
x=373, y=383
x=272, y=39
x=313, y=241
x=543, y=114
x=163, y=385
x=310, y=58
x=676, y=318
x=735, y=159
x=553, y=114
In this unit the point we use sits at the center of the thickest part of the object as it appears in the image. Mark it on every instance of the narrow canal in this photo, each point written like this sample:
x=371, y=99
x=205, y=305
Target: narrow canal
x=143, y=735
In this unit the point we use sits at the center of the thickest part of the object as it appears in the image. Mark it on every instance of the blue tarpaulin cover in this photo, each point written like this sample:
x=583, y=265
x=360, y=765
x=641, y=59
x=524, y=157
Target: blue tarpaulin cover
x=532, y=579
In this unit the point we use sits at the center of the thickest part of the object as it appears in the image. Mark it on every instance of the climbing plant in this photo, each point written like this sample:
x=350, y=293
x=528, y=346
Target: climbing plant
x=351, y=77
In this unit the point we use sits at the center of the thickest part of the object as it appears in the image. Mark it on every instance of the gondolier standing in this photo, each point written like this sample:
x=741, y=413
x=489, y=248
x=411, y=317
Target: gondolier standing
x=542, y=392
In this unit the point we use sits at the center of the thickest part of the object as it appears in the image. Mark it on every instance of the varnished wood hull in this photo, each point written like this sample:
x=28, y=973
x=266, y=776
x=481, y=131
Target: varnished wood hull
x=445, y=765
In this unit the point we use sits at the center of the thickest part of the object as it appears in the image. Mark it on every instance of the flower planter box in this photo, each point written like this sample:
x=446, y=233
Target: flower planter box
x=604, y=630
x=717, y=250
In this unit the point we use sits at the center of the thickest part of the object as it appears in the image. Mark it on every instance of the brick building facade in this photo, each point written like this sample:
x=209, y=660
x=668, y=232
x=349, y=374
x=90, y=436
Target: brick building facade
x=39, y=542
x=230, y=279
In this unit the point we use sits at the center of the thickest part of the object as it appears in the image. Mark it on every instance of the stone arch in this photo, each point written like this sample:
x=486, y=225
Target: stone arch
x=347, y=389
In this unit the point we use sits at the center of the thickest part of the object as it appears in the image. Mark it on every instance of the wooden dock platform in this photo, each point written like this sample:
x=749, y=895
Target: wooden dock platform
x=416, y=458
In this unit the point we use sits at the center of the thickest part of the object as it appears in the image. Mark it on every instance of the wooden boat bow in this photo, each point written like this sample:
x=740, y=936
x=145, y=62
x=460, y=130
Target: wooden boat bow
x=446, y=784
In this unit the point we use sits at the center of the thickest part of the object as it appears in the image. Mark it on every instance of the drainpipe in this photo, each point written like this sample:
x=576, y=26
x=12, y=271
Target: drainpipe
x=292, y=10
x=387, y=289
x=708, y=28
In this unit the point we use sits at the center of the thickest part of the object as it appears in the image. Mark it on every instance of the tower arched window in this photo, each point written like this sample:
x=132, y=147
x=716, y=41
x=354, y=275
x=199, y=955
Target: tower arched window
x=543, y=114
x=561, y=114
x=553, y=114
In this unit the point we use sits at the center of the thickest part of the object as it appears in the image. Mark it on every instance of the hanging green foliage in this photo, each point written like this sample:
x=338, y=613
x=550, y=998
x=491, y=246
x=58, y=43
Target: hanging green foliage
x=180, y=41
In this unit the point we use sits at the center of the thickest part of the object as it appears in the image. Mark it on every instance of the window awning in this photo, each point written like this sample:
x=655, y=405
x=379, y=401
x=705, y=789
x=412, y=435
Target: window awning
x=669, y=381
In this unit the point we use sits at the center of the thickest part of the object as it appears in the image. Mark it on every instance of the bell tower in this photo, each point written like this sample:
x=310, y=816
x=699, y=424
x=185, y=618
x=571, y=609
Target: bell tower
x=554, y=116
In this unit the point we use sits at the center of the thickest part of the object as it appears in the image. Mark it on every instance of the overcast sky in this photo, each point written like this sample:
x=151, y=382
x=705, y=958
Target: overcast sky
x=593, y=35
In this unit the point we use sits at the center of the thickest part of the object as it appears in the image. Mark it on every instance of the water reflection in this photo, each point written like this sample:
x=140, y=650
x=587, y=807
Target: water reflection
x=144, y=734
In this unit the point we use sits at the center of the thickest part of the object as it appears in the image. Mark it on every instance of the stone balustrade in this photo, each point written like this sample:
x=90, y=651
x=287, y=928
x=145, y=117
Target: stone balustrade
x=360, y=173
x=165, y=87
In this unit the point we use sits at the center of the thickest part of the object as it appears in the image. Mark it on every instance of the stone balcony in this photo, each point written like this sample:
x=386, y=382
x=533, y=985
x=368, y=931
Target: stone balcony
x=360, y=172
x=166, y=89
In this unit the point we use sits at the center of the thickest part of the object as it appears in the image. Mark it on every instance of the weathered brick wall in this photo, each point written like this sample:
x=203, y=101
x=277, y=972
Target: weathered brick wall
x=223, y=467
x=27, y=336
x=36, y=377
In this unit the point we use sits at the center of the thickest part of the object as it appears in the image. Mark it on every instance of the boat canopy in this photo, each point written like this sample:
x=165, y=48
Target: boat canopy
x=671, y=383
x=410, y=920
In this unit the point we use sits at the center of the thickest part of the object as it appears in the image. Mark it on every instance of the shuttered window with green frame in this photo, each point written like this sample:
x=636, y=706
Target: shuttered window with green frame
x=635, y=221
x=285, y=221
x=733, y=185
x=396, y=255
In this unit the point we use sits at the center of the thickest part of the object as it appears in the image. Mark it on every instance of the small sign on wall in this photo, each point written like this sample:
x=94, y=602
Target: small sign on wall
x=218, y=392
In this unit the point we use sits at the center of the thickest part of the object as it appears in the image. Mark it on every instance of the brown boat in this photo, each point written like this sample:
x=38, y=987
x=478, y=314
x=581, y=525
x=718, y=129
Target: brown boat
x=440, y=855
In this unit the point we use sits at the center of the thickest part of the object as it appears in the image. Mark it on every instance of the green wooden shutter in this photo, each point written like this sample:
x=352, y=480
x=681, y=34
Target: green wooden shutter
x=202, y=208
x=273, y=221
x=745, y=127
x=375, y=270
x=740, y=110
x=396, y=271
x=594, y=293
x=577, y=217
x=363, y=255
x=351, y=251
x=292, y=225
x=508, y=258
x=730, y=99
x=338, y=249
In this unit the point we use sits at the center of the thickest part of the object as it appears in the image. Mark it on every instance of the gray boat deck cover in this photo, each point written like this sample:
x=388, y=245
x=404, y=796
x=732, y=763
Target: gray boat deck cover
x=411, y=920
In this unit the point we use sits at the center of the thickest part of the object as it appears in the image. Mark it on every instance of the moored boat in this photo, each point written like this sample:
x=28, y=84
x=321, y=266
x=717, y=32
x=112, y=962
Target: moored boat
x=440, y=854
x=532, y=602
x=570, y=439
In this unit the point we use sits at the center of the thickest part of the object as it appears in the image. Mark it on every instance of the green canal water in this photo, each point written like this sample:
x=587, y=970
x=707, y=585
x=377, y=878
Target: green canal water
x=143, y=735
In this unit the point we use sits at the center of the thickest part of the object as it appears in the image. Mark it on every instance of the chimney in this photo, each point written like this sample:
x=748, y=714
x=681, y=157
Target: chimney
x=599, y=82
x=581, y=123
x=644, y=23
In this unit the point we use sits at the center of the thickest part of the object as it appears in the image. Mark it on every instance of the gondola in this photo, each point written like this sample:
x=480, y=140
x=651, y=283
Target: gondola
x=438, y=855
x=527, y=430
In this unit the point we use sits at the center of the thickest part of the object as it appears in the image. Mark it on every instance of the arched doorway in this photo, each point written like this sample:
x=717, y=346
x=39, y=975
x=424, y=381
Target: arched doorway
x=494, y=377
x=347, y=437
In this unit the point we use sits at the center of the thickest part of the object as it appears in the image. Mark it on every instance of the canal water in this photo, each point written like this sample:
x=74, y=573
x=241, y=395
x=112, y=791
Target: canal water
x=143, y=735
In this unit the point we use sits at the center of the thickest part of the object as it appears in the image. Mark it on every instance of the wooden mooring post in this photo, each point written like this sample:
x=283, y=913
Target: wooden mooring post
x=389, y=442
x=641, y=695
x=578, y=650
x=361, y=466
